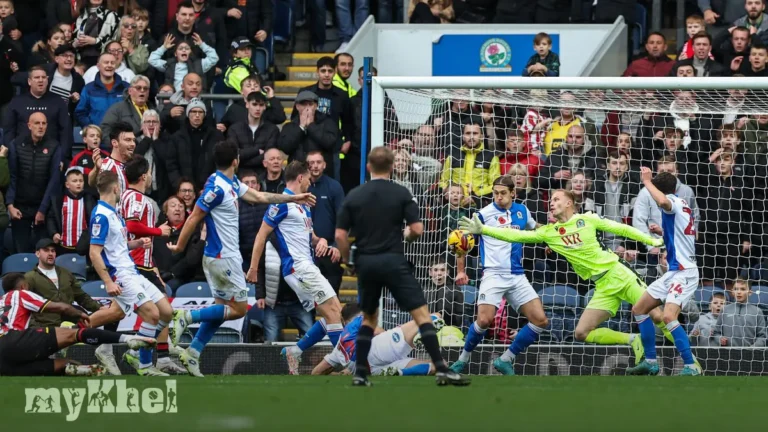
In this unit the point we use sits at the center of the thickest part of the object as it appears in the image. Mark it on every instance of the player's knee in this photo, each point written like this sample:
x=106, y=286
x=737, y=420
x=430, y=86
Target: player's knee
x=581, y=333
x=540, y=321
x=149, y=313
x=669, y=317
x=484, y=321
x=237, y=310
x=637, y=310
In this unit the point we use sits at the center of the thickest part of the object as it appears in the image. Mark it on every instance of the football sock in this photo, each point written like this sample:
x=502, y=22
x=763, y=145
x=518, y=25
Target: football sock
x=527, y=336
x=419, y=369
x=315, y=334
x=431, y=344
x=211, y=313
x=363, y=347
x=665, y=330
x=145, y=353
x=204, y=334
x=334, y=332
x=647, y=335
x=162, y=347
x=682, y=343
x=97, y=336
x=606, y=336
x=475, y=335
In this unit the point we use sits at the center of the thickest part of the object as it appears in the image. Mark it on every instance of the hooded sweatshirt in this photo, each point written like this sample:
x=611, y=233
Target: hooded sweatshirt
x=742, y=324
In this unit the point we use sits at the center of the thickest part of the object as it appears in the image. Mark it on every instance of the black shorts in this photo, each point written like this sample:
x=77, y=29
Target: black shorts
x=390, y=270
x=152, y=277
x=25, y=353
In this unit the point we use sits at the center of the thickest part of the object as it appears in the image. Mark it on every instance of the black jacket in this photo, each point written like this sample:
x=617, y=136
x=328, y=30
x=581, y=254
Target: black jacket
x=251, y=216
x=253, y=145
x=184, y=266
x=340, y=110
x=560, y=160
x=8, y=54
x=726, y=207
x=56, y=12
x=237, y=112
x=321, y=135
x=192, y=159
x=34, y=174
x=55, y=110
x=53, y=218
x=211, y=27
x=257, y=14
x=20, y=79
x=163, y=150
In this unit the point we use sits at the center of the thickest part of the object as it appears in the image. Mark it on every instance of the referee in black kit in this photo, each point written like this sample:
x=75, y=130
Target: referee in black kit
x=375, y=211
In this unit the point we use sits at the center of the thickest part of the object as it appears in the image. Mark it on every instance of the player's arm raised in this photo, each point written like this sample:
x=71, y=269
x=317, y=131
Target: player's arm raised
x=258, y=249
x=623, y=230
x=475, y=226
x=255, y=197
x=646, y=175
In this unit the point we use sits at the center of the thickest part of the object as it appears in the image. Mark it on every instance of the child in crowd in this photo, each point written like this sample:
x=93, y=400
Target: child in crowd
x=455, y=208
x=236, y=112
x=91, y=138
x=693, y=24
x=10, y=24
x=68, y=219
x=517, y=151
x=184, y=61
x=741, y=324
x=702, y=330
x=241, y=64
x=141, y=16
x=545, y=60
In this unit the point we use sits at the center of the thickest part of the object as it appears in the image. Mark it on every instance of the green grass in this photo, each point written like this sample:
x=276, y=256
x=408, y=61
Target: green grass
x=304, y=404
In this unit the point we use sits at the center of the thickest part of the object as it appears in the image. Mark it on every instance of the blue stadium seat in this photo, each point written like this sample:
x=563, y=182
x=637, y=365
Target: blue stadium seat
x=194, y=289
x=95, y=289
x=251, y=290
x=470, y=294
x=168, y=290
x=561, y=303
x=19, y=263
x=74, y=263
x=759, y=297
x=703, y=296
x=639, y=28
x=227, y=335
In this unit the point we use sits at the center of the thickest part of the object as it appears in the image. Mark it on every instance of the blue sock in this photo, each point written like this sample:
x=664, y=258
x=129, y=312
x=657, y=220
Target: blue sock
x=334, y=332
x=474, y=337
x=527, y=336
x=145, y=354
x=647, y=335
x=315, y=334
x=682, y=343
x=210, y=314
x=419, y=369
x=204, y=334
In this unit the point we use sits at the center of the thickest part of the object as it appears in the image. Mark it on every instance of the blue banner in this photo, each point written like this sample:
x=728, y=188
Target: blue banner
x=484, y=55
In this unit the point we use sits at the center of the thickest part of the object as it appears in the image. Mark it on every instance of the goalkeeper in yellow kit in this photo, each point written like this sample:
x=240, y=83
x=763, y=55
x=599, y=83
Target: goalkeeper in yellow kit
x=575, y=237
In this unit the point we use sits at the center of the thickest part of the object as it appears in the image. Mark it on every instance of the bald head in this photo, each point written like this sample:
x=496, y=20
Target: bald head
x=38, y=125
x=273, y=161
x=192, y=85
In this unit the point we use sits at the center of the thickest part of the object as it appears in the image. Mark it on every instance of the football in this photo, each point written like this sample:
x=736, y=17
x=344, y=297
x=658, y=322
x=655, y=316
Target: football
x=460, y=242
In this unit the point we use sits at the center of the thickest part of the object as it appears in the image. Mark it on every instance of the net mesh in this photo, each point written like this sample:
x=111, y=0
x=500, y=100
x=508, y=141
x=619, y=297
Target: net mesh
x=592, y=142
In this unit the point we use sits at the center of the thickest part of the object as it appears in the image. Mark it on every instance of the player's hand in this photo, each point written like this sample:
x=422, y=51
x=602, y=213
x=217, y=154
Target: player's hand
x=645, y=174
x=461, y=278
x=723, y=341
x=96, y=156
x=166, y=229
x=260, y=303
x=85, y=320
x=113, y=289
x=655, y=228
x=473, y=226
x=252, y=276
x=335, y=254
x=57, y=238
x=39, y=218
x=658, y=242
x=321, y=248
x=305, y=198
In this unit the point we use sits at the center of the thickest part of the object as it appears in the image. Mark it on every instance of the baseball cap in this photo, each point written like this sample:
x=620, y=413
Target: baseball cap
x=241, y=42
x=44, y=243
x=306, y=95
x=63, y=49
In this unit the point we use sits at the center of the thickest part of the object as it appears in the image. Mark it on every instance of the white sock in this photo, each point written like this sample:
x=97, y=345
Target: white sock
x=464, y=356
x=651, y=360
x=193, y=352
x=508, y=356
x=123, y=339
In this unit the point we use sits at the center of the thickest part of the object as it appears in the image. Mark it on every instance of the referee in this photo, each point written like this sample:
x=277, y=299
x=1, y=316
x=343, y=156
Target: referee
x=375, y=212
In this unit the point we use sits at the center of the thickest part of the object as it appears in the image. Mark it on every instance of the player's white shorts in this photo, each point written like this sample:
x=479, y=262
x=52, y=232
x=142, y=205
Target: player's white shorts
x=309, y=284
x=675, y=286
x=516, y=288
x=389, y=349
x=225, y=277
x=135, y=291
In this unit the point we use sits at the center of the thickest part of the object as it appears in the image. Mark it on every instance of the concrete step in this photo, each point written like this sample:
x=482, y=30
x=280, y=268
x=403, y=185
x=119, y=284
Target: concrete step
x=301, y=73
x=291, y=86
x=288, y=111
x=349, y=283
x=307, y=59
x=283, y=60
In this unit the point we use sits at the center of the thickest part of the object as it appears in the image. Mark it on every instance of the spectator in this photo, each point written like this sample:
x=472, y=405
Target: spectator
x=167, y=90
x=401, y=169
x=741, y=324
x=59, y=12
x=69, y=212
x=84, y=159
x=122, y=7
x=755, y=19
x=241, y=66
x=316, y=19
x=309, y=130
x=252, y=19
x=456, y=206
x=55, y=283
x=626, y=119
x=684, y=69
x=729, y=46
x=545, y=60
x=33, y=161
x=251, y=216
x=694, y=25
x=10, y=58
x=755, y=67
x=734, y=107
x=38, y=99
x=173, y=115
x=350, y=164
x=636, y=155
x=121, y=67
x=209, y=22
x=615, y=194
x=141, y=18
x=255, y=136
x=350, y=14
x=94, y=28
x=576, y=154
x=106, y=90
x=450, y=298
x=187, y=193
x=137, y=55
x=471, y=165
x=756, y=146
x=558, y=127
x=192, y=154
x=183, y=63
x=272, y=180
x=155, y=145
x=131, y=108
x=237, y=112
x=427, y=12
x=178, y=269
x=65, y=81
x=729, y=141
x=581, y=187
x=724, y=12
x=43, y=52
x=704, y=64
x=345, y=65
x=517, y=151
x=535, y=122
x=705, y=327
x=655, y=63
x=123, y=143
x=330, y=196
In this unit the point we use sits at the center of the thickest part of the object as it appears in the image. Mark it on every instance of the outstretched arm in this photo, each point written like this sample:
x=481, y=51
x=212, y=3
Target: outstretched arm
x=656, y=194
x=255, y=197
x=475, y=226
x=623, y=230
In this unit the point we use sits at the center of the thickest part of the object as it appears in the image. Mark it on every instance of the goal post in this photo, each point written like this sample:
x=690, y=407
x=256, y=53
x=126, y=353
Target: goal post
x=590, y=135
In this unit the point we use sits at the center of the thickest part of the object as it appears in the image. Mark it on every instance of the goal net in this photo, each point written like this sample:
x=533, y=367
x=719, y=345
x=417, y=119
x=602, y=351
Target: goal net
x=590, y=136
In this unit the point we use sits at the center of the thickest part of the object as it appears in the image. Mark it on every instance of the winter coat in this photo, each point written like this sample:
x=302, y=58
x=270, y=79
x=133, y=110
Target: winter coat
x=96, y=100
x=123, y=111
x=322, y=135
x=742, y=324
x=180, y=159
x=69, y=291
x=253, y=145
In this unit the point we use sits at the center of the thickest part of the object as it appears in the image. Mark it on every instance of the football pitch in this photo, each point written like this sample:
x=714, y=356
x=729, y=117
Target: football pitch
x=549, y=403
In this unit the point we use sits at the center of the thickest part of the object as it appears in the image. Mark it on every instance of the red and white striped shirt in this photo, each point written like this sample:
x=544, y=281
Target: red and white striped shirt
x=16, y=309
x=535, y=140
x=73, y=220
x=135, y=206
x=109, y=164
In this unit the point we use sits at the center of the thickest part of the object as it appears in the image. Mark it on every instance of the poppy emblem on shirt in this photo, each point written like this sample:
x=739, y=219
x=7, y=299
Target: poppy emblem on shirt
x=561, y=230
x=502, y=220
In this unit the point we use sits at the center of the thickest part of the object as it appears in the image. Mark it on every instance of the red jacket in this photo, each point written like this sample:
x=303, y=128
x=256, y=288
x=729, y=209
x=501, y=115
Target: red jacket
x=650, y=67
x=84, y=159
x=531, y=161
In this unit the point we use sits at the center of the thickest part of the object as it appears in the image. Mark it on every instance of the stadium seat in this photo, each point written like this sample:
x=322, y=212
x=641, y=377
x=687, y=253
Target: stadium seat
x=74, y=263
x=8, y=242
x=194, y=289
x=470, y=294
x=561, y=303
x=227, y=335
x=95, y=289
x=703, y=296
x=759, y=297
x=168, y=290
x=19, y=263
x=251, y=290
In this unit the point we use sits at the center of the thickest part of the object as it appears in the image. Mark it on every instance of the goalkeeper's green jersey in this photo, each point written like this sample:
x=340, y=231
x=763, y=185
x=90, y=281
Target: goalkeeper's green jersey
x=577, y=241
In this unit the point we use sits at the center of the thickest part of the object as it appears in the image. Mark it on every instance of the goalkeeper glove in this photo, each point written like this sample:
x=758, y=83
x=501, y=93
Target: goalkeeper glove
x=472, y=226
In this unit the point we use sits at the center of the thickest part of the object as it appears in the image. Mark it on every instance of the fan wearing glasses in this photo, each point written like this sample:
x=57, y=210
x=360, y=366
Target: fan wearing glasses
x=131, y=109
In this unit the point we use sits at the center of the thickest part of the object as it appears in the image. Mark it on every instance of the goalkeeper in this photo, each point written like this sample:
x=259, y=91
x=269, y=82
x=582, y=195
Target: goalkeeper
x=575, y=237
